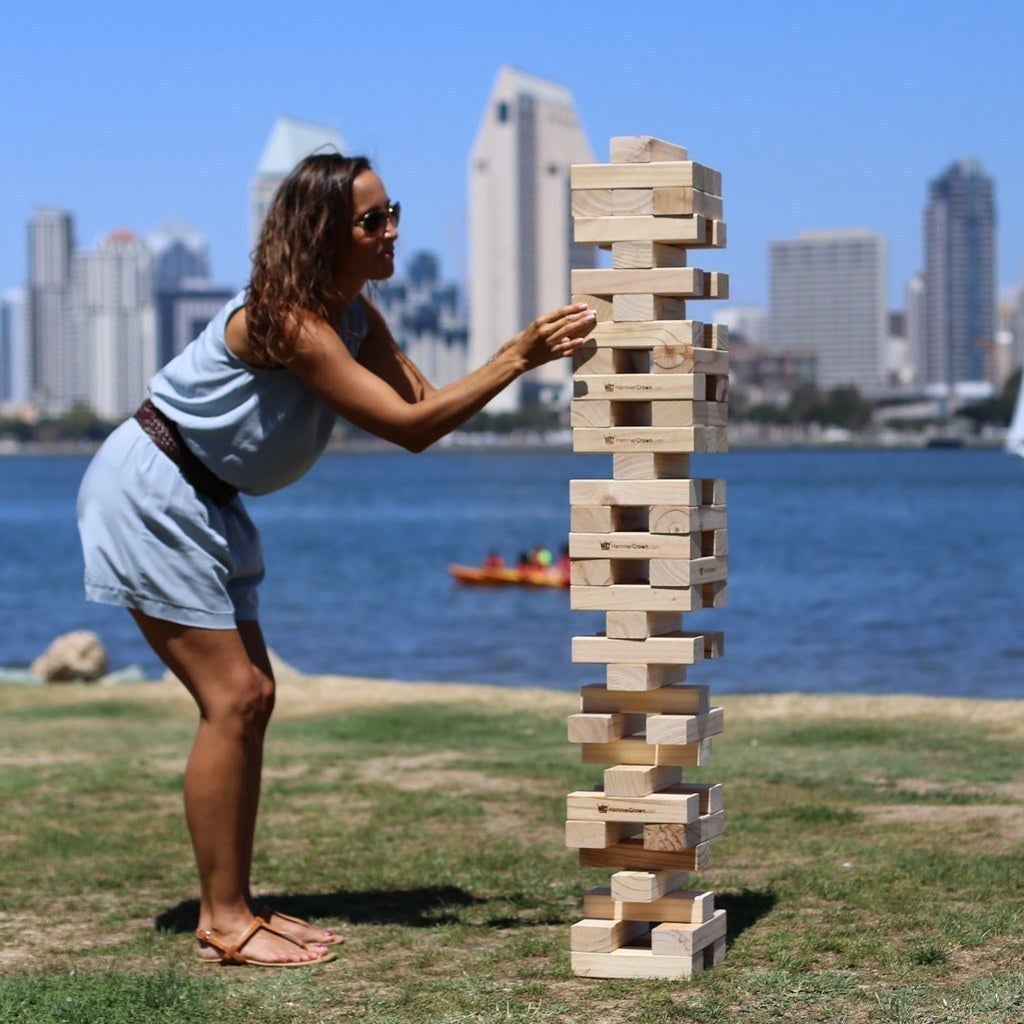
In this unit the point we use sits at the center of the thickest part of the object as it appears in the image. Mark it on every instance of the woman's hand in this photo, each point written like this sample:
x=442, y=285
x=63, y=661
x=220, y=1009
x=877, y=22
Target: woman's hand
x=552, y=335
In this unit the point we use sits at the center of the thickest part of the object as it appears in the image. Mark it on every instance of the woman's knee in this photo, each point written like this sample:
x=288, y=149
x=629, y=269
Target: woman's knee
x=244, y=696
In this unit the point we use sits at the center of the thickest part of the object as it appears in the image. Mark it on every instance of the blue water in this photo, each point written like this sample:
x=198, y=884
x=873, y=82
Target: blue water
x=871, y=572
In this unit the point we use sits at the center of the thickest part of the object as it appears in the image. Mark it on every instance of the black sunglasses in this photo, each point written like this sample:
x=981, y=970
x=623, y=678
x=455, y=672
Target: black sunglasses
x=374, y=220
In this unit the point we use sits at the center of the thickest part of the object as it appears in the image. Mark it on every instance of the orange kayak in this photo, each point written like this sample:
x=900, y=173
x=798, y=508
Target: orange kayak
x=505, y=576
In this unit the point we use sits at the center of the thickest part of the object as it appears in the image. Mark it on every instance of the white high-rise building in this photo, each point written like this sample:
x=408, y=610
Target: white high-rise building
x=114, y=321
x=56, y=369
x=520, y=222
x=290, y=141
x=828, y=293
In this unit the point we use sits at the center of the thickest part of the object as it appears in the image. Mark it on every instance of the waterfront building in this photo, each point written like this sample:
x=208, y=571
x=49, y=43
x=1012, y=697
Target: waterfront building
x=959, y=276
x=56, y=364
x=290, y=141
x=426, y=317
x=828, y=294
x=14, y=376
x=520, y=223
x=185, y=298
x=114, y=322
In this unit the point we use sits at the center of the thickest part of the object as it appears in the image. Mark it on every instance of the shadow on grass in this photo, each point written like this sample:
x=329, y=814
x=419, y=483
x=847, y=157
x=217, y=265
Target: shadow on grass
x=744, y=909
x=414, y=908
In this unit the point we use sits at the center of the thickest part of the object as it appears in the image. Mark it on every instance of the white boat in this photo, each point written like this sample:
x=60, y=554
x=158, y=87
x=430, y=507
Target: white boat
x=1015, y=431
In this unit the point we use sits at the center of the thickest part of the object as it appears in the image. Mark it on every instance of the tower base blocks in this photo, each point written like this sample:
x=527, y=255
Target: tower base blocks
x=647, y=546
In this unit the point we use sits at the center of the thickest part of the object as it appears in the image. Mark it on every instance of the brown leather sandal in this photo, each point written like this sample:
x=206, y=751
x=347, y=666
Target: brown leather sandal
x=231, y=952
x=267, y=912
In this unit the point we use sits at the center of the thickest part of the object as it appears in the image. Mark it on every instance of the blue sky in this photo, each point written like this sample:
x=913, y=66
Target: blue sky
x=818, y=115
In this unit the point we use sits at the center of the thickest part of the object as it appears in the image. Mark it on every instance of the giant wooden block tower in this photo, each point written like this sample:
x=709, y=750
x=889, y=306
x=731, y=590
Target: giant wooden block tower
x=646, y=547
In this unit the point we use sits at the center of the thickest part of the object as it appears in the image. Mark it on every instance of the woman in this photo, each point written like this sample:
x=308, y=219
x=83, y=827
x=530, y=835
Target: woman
x=248, y=407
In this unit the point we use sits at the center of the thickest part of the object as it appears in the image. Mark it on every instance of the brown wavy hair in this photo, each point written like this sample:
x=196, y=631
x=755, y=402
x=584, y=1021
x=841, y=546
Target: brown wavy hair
x=307, y=232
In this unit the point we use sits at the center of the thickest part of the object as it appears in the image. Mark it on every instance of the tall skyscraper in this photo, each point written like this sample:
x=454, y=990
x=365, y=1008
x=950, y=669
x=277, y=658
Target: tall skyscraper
x=959, y=275
x=56, y=363
x=290, y=141
x=115, y=321
x=828, y=293
x=520, y=221
x=14, y=378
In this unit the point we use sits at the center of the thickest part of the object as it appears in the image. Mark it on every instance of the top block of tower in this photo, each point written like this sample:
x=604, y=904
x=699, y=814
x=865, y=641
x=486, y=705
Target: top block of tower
x=643, y=149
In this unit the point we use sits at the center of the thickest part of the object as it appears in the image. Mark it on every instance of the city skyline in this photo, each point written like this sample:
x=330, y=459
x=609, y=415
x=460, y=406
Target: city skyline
x=818, y=119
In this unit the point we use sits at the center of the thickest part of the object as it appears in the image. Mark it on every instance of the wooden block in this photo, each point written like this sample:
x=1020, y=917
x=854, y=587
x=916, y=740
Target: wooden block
x=680, y=572
x=636, y=678
x=596, y=835
x=682, y=413
x=663, y=518
x=679, y=649
x=678, y=729
x=672, y=805
x=670, y=699
x=637, y=751
x=716, y=336
x=635, y=387
x=595, y=202
x=635, y=597
x=633, y=545
x=716, y=285
x=642, y=491
x=677, y=281
x=641, y=255
x=589, y=359
x=644, y=308
x=602, y=727
x=660, y=174
x=714, y=595
x=632, y=962
x=681, y=905
x=644, y=886
x=650, y=439
x=692, y=230
x=601, y=305
x=710, y=794
x=719, y=543
x=643, y=149
x=674, y=938
x=673, y=201
x=608, y=519
x=633, y=780
x=650, y=466
x=662, y=838
x=688, y=359
x=590, y=413
x=592, y=935
x=650, y=334
x=632, y=854
x=638, y=625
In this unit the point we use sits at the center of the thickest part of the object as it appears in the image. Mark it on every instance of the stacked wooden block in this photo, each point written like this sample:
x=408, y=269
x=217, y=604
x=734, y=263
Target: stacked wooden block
x=647, y=546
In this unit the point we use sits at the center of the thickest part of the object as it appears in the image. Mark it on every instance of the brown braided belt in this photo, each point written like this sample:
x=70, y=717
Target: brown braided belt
x=167, y=438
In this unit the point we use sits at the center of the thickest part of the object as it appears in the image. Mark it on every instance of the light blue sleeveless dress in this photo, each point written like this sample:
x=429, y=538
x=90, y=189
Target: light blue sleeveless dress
x=149, y=541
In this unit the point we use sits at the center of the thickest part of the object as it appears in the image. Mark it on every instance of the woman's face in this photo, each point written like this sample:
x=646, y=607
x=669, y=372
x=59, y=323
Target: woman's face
x=371, y=254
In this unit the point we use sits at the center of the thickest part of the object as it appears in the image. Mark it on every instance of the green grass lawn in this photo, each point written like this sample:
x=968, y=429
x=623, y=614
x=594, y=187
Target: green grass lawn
x=872, y=867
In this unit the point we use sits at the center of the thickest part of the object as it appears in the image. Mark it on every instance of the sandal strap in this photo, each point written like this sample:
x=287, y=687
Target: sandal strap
x=231, y=952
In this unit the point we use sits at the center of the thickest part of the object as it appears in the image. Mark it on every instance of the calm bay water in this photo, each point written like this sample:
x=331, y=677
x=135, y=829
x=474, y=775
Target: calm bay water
x=862, y=571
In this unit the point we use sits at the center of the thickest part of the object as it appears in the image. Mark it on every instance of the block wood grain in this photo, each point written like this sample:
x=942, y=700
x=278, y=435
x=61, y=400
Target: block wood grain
x=603, y=727
x=609, y=518
x=656, y=174
x=676, y=492
x=665, y=518
x=674, y=805
x=639, y=334
x=635, y=597
x=650, y=439
x=671, y=699
x=640, y=308
x=638, y=780
x=676, y=938
x=638, y=677
x=675, y=728
x=650, y=465
x=637, y=752
x=641, y=255
x=596, y=835
x=694, y=231
x=681, y=200
x=679, y=572
x=592, y=935
x=665, y=838
x=681, y=649
x=629, y=545
x=631, y=962
x=638, y=625
x=677, y=281
x=687, y=906
x=632, y=854
x=643, y=149
x=645, y=885
x=638, y=387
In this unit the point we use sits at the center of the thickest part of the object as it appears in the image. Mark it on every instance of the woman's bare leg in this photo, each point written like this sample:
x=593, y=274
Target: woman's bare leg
x=235, y=699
